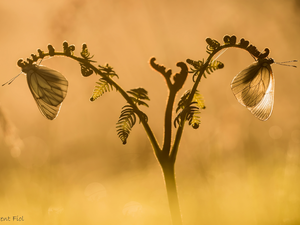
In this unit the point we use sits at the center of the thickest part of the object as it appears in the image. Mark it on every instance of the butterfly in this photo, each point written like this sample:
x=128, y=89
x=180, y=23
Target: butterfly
x=48, y=88
x=254, y=87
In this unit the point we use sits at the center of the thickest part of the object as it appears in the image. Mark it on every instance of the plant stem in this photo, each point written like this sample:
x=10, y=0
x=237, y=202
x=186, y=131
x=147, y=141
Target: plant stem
x=169, y=175
x=165, y=156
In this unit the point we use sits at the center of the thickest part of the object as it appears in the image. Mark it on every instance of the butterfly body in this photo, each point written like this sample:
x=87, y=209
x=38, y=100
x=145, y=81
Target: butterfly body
x=254, y=88
x=48, y=88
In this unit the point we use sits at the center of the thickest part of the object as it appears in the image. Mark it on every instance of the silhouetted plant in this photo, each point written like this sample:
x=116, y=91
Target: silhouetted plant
x=253, y=87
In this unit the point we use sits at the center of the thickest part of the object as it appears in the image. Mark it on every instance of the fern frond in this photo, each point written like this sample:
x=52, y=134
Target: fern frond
x=102, y=87
x=212, y=46
x=196, y=64
x=192, y=110
x=107, y=70
x=193, y=115
x=139, y=94
x=85, y=53
x=125, y=123
x=183, y=99
x=85, y=70
x=214, y=65
x=198, y=98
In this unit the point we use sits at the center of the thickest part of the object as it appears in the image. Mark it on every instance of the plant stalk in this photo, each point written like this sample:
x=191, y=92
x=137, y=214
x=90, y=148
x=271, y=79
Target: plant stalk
x=170, y=182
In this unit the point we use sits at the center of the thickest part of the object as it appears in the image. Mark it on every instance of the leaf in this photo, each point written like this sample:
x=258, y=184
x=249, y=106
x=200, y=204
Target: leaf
x=102, y=87
x=212, y=46
x=193, y=115
x=107, y=70
x=192, y=109
x=85, y=53
x=183, y=99
x=213, y=66
x=85, y=70
x=139, y=94
x=125, y=123
x=198, y=98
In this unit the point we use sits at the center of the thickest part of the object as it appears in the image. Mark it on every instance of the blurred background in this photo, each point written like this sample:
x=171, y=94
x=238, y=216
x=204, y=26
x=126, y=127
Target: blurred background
x=234, y=169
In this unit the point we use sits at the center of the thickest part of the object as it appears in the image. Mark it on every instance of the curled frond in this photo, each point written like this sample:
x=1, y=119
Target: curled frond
x=212, y=46
x=229, y=40
x=125, y=123
x=21, y=63
x=161, y=69
x=86, y=70
x=179, y=78
x=51, y=50
x=101, y=87
x=191, y=110
x=68, y=50
x=41, y=53
x=139, y=94
x=85, y=52
x=244, y=44
x=254, y=52
x=34, y=57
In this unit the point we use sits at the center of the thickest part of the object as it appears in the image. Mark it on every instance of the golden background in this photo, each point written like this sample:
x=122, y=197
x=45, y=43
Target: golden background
x=74, y=170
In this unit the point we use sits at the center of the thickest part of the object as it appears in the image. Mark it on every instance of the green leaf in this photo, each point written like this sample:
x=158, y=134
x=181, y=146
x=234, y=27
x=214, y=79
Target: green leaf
x=139, y=94
x=213, y=66
x=102, y=87
x=198, y=98
x=107, y=70
x=125, y=123
x=192, y=109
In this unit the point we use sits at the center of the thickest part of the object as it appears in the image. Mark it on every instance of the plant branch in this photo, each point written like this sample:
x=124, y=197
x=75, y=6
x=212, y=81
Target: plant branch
x=147, y=128
x=168, y=123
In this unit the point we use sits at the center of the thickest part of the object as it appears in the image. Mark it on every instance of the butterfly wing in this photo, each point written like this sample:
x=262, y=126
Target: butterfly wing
x=264, y=108
x=49, y=89
x=254, y=89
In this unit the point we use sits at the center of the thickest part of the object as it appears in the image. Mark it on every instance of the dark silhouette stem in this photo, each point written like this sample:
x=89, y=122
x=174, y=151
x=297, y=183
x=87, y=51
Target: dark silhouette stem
x=168, y=123
x=147, y=128
x=165, y=156
x=170, y=182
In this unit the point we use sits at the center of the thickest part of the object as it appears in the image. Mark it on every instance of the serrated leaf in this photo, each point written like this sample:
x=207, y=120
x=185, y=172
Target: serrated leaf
x=139, y=94
x=101, y=87
x=125, y=123
x=213, y=66
x=199, y=99
x=192, y=110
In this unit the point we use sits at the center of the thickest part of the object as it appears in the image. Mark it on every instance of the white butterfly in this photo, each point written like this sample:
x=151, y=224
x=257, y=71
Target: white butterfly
x=48, y=87
x=254, y=88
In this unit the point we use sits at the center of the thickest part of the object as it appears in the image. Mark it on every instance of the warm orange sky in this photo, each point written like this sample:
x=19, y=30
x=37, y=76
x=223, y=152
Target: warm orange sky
x=231, y=170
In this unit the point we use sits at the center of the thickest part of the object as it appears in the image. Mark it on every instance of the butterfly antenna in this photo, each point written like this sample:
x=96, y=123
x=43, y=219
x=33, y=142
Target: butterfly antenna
x=40, y=62
x=284, y=63
x=11, y=80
